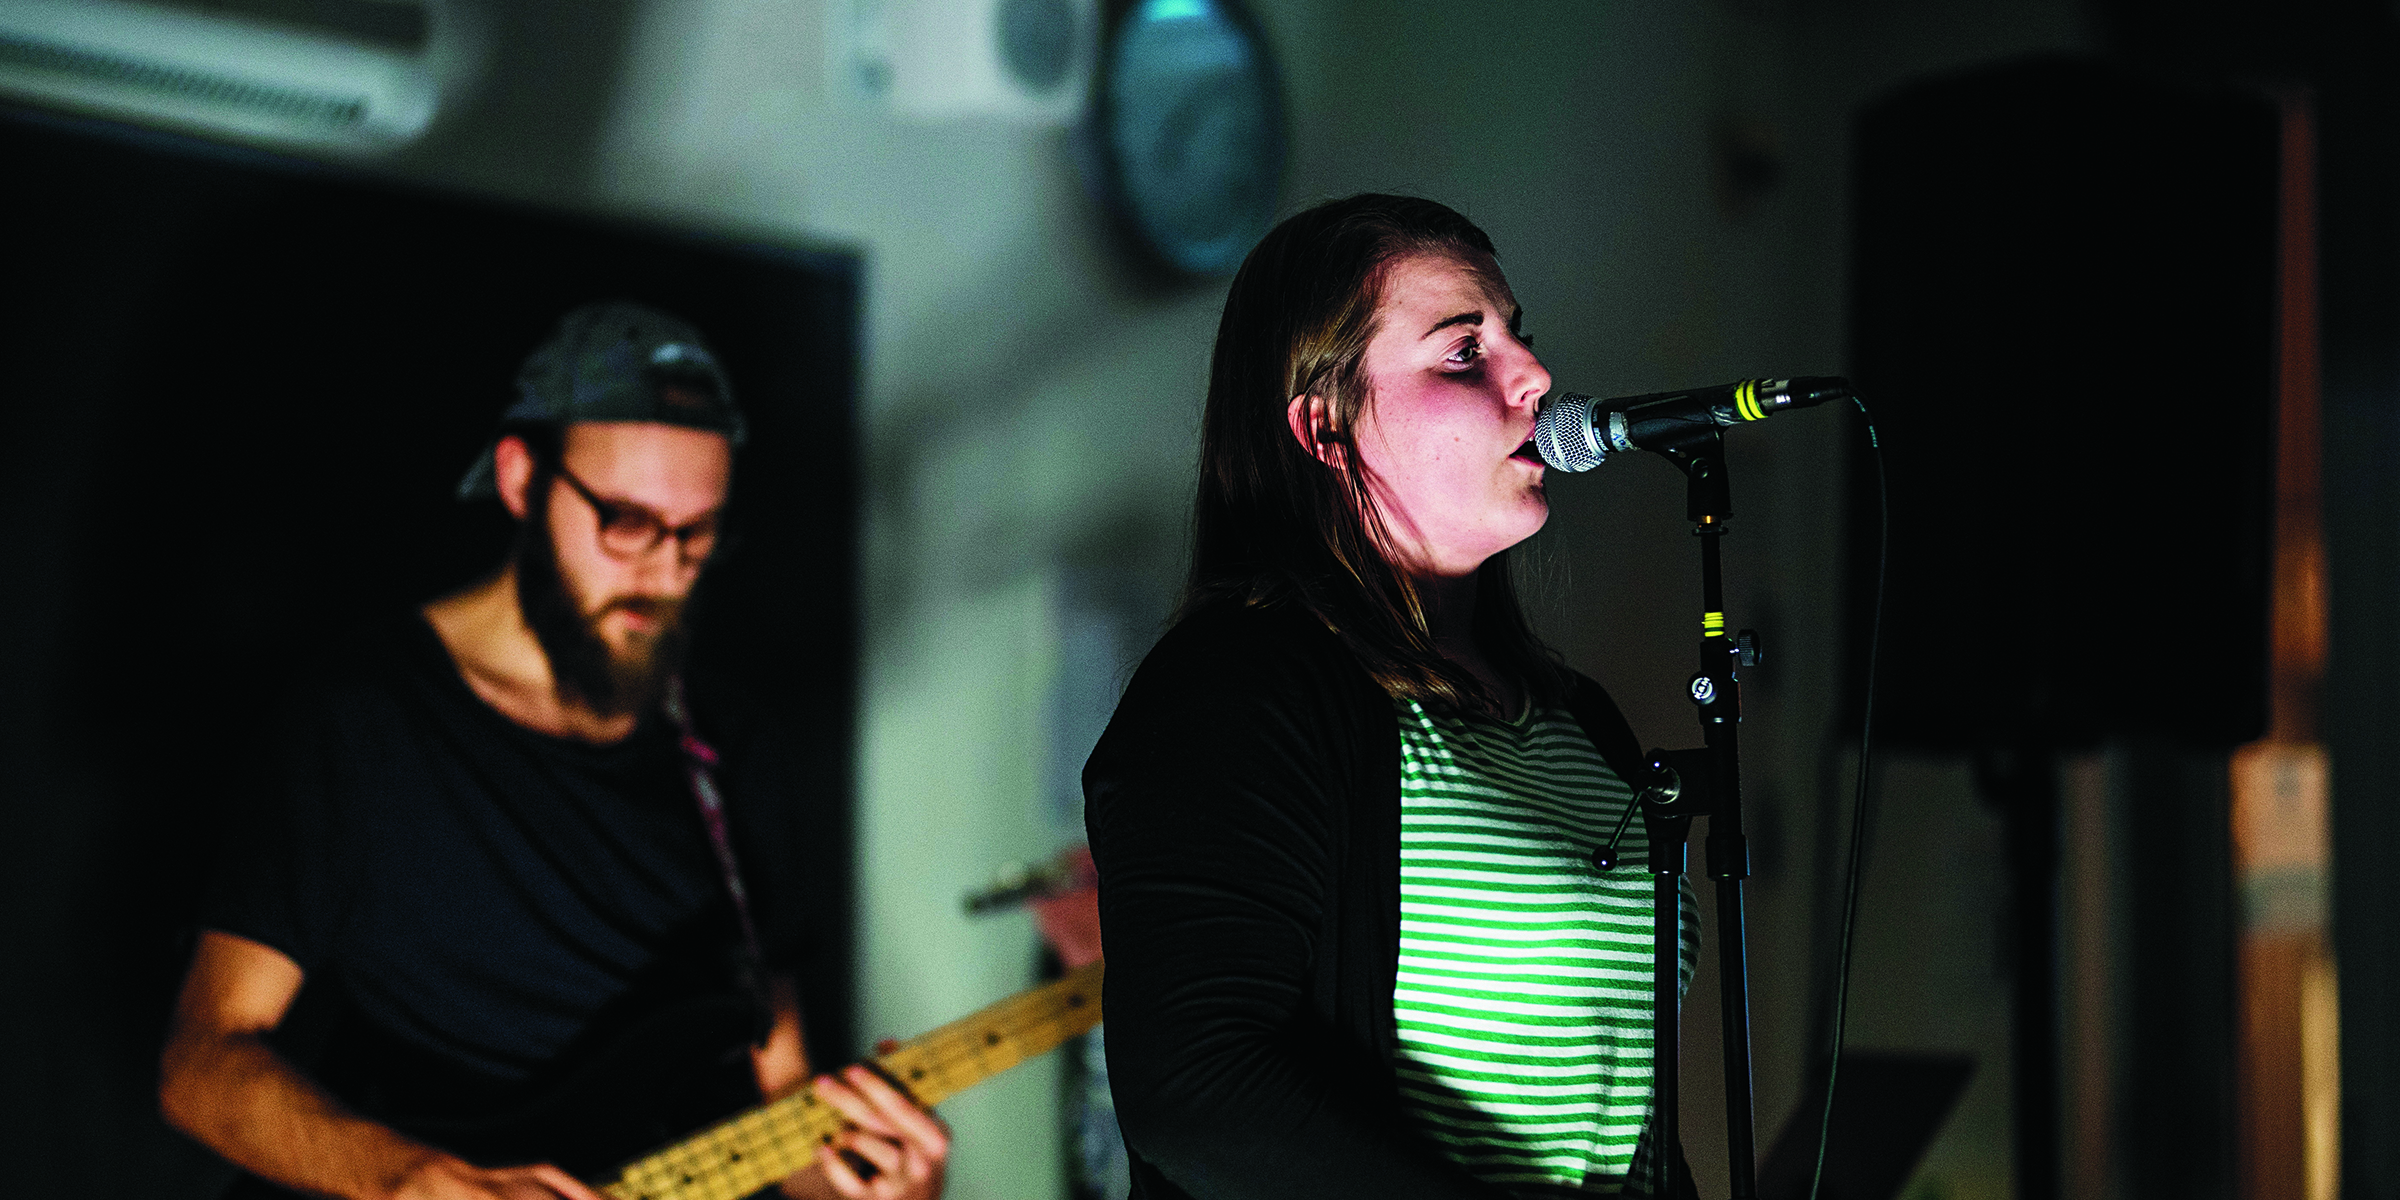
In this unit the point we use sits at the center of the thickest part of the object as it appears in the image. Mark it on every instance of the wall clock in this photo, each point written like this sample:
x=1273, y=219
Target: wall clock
x=1190, y=124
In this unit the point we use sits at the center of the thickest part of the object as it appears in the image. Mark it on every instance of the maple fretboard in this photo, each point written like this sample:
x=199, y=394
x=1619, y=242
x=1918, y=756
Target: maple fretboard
x=741, y=1154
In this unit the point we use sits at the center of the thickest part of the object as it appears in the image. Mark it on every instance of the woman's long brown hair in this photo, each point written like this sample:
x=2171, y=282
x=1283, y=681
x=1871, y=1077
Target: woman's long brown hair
x=1274, y=524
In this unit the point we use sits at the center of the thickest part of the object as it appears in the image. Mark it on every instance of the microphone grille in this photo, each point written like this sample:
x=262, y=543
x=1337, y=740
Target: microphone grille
x=1562, y=431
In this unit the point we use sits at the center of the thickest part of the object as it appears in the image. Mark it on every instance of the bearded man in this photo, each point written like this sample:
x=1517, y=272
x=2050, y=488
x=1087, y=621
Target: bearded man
x=497, y=848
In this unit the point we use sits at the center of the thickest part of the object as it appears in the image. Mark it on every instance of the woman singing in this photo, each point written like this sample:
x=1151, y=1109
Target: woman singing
x=1344, y=814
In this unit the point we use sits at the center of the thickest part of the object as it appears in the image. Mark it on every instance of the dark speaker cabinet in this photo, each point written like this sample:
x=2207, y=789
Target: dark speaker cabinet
x=2064, y=317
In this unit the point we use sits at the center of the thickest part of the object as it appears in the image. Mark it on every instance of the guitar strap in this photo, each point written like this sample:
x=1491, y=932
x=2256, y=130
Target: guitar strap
x=700, y=767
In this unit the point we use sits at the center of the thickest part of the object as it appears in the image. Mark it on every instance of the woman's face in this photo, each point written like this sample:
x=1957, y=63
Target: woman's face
x=1445, y=434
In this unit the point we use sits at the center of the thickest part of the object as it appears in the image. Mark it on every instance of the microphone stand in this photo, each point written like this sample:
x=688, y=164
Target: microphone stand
x=1704, y=782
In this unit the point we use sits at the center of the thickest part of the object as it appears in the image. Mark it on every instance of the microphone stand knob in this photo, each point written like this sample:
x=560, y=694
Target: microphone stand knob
x=1745, y=648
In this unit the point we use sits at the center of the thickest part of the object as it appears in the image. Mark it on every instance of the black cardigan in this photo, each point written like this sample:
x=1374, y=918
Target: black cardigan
x=1243, y=808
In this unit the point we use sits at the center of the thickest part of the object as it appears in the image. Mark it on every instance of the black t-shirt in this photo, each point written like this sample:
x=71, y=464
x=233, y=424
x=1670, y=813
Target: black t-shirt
x=472, y=892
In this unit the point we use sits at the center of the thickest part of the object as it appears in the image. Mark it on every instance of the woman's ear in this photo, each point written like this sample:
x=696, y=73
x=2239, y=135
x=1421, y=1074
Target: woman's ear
x=1307, y=417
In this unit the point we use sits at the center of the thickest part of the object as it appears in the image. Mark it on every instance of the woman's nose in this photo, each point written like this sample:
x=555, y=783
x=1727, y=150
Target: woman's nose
x=1531, y=381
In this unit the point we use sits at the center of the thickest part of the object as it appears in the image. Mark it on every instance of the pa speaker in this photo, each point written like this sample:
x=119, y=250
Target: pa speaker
x=2064, y=320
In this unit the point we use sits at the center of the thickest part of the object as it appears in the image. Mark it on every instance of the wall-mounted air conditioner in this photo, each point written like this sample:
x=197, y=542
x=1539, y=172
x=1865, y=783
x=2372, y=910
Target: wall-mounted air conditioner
x=354, y=75
x=1018, y=61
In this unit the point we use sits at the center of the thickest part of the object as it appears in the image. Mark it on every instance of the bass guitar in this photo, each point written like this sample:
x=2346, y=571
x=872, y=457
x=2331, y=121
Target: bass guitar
x=744, y=1153
x=687, y=1065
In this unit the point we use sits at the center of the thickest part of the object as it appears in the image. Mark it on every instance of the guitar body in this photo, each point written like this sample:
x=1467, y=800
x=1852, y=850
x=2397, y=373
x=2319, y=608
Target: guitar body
x=656, y=1080
x=685, y=1072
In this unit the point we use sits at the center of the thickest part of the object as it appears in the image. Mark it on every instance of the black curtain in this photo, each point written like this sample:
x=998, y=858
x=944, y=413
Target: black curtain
x=239, y=391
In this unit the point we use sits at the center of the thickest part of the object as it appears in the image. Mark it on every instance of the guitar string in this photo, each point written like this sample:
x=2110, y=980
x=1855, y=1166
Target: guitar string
x=929, y=1055
x=703, y=1167
x=706, y=1158
x=709, y=1157
x=702, y=1157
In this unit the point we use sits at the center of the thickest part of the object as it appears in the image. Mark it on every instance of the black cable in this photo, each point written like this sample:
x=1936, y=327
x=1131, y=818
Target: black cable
x=1858, y=807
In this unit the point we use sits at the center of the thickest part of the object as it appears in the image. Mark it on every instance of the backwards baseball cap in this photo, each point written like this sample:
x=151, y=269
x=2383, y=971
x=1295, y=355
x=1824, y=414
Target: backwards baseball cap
x=616, y=361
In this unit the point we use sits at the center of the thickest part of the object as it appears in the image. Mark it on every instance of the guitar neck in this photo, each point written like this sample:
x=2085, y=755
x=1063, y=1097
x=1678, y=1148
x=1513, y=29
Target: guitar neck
x=742, y=1154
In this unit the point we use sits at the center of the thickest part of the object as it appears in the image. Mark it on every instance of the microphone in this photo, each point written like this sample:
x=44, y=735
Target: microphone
x=1576, y=433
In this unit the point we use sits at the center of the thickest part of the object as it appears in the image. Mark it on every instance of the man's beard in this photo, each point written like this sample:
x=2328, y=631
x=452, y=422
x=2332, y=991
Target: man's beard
x=583, y=667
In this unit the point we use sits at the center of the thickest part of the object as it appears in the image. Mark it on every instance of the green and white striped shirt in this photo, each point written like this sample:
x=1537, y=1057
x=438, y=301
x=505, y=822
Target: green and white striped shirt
x=1523, y=1001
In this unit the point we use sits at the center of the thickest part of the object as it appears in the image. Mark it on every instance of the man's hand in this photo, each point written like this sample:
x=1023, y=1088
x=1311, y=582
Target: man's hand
x=441, y=1177
x=908, y=1147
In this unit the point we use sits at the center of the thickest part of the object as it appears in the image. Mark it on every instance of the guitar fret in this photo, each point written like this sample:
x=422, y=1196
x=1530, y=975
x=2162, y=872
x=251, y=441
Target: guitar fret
x=742, y=1154
x=776, y=1130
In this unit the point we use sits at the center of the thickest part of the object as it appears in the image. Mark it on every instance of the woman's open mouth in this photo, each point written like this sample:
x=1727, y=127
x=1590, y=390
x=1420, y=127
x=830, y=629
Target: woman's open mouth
x=1530, y=453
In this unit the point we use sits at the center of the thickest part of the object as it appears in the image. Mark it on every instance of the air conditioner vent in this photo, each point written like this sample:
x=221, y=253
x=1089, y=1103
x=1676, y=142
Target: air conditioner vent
x=341, y=74
x=185, y=83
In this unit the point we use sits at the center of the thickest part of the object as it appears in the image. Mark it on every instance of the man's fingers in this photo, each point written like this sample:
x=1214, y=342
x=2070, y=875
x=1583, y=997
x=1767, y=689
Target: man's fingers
x=902, y=1114
x=442, y=1177
x=914, y=1166
x=905, y=1144
x=538, y=1182
x=847, y=1101
x=882, y=1152
x=838, y=1173
x=564, y=1184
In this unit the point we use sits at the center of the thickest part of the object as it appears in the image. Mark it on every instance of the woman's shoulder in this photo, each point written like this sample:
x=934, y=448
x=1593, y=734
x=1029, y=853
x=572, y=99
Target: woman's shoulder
x=1230, y=663
x=1255, y=702
x=1230, y=626
x=1230, y=643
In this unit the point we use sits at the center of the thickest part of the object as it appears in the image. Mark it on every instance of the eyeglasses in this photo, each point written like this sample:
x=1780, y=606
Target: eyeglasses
x=631, y=531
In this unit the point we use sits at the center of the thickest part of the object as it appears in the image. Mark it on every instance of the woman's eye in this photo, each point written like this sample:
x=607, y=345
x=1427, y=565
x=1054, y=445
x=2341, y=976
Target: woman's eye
x=1468, y=351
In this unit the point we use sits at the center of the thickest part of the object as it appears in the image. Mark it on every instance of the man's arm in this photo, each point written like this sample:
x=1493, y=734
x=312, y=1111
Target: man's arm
x=908, y=1148
x=220, y=1082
